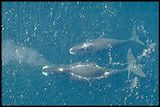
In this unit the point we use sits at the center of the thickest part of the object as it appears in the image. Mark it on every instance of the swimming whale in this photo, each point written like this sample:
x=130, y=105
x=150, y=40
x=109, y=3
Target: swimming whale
x=88, y=71
x=98, y=44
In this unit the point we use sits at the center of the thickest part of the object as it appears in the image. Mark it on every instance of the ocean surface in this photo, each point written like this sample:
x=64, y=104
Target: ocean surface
x=35, y=34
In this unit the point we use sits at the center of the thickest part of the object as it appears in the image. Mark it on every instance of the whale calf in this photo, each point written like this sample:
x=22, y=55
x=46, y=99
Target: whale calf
x=98, y=44
x=88, y=71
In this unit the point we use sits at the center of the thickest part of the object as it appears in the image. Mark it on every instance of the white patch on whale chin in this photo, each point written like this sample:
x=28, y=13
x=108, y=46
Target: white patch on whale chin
x=70, y=51
x=44, y=73
x=45, y=67
x=61, y=69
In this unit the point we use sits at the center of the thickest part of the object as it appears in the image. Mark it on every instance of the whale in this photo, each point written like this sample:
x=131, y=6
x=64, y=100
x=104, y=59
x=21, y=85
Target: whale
x=89, y=71
x=98, y=44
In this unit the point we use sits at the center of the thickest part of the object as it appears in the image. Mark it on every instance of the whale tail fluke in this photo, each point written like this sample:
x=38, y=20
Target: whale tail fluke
x=135, y=37
x=132, y=66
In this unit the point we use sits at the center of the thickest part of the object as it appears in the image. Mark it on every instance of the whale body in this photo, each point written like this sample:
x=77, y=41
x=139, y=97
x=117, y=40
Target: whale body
x=79, y=70
x=90, y=71
x=92, y=46
x=95, y=45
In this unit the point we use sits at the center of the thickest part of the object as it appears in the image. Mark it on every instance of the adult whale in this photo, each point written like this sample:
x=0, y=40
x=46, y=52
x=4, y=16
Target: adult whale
x=102, y=43
x=88, y=71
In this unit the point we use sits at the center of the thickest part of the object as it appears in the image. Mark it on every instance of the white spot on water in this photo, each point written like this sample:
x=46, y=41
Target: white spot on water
x=135, y=83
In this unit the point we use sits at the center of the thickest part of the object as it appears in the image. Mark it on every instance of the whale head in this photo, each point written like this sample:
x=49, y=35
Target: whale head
x=82, y=48
x=52, y=69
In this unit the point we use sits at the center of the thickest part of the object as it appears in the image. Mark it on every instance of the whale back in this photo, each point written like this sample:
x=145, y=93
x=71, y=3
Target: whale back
x=86, y=70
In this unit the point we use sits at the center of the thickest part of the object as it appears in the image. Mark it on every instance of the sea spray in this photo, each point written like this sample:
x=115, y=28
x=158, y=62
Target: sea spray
x=21, y=54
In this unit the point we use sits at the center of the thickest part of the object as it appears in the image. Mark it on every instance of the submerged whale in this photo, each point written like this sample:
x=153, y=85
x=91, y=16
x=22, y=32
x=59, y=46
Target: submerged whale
x=88, y=71
x=102, y=43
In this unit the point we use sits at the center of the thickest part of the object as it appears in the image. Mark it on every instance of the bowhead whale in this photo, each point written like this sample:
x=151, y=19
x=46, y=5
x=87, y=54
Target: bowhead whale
x=98, y=44
x=88, y=71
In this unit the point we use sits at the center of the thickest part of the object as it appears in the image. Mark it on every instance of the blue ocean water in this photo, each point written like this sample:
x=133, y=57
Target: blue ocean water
x=35, y=34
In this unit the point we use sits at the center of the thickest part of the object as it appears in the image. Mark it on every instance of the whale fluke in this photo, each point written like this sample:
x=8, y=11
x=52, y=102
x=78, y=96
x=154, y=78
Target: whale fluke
x=135, y=37
x=132, y=66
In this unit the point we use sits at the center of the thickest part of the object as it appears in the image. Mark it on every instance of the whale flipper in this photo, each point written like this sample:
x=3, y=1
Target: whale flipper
x=132, y=66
